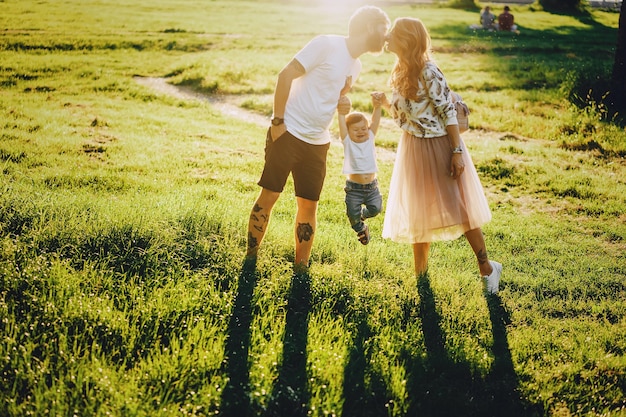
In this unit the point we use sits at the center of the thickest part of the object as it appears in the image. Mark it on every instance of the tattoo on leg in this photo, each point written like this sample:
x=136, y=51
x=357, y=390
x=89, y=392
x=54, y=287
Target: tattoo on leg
x=254, y=221
x=482, y=256
x=252, y=241
x=258, y=223
x=304, y=231
x=259, y=220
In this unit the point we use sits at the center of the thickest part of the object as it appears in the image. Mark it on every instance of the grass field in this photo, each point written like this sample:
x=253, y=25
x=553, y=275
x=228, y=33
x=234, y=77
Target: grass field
x=123, y=215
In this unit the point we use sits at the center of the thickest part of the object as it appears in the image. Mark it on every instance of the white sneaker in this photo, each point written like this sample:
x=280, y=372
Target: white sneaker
x=492, y=282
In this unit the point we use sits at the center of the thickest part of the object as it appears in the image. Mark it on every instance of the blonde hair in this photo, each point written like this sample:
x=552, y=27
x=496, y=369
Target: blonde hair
x=413, y=49
x=364, y=17
x=354, y=118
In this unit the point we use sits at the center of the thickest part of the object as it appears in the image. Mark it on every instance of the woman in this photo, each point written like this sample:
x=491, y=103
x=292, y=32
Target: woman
x=487, y=19
x=435, y=193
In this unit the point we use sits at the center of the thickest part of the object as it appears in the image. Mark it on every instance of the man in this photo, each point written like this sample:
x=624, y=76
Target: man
x=305, y=100
x=506, y=20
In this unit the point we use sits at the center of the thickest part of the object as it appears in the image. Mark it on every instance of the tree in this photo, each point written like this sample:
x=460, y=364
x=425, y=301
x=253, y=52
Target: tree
x=618, y=82
x=562, y=5
x=463, y=4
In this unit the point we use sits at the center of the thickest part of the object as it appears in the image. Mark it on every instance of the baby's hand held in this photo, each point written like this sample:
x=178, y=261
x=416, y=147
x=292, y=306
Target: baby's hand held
x=344, y=105
x=378, y=98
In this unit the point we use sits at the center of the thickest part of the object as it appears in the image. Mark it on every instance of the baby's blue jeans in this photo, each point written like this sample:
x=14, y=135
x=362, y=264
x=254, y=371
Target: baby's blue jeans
x=362, y=202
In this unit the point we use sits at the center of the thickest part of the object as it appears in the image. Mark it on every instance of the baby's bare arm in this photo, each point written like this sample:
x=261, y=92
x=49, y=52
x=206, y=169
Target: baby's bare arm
x=343, y=107
x=378, y=100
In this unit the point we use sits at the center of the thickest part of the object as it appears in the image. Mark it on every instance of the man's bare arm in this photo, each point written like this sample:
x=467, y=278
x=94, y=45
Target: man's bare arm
x=290, y=72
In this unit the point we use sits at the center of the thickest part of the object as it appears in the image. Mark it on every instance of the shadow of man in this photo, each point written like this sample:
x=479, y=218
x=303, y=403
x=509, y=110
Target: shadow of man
x=291, y=395
x=235, y=397
x=364, y=390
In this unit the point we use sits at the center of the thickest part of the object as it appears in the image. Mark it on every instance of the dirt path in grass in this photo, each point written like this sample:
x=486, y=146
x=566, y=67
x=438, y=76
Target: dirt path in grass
x=225, y=104
x=229, y=106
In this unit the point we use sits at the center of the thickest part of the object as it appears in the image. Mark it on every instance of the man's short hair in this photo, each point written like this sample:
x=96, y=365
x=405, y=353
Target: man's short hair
x=365, y=16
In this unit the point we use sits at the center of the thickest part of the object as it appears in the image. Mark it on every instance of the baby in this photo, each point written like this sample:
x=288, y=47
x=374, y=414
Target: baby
x=363, y=198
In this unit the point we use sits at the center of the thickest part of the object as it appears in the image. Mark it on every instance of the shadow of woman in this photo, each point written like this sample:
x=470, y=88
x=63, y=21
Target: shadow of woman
x=290, y=394
x=235, y=397
x=436, y=385
x=502, y=382
x=439, y=386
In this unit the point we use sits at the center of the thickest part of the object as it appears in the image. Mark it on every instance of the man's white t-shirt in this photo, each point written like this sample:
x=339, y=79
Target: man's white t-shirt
x=313, y=97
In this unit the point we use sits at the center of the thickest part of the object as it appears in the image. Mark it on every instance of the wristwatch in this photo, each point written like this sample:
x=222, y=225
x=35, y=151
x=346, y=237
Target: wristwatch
x=277, y=121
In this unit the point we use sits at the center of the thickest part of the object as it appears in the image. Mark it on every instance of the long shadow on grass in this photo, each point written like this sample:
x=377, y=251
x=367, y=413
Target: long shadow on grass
x=235, y=397
x=439, y=386
x=502, y=382
x=291, y=395
x=436, y=385
x=364, y=390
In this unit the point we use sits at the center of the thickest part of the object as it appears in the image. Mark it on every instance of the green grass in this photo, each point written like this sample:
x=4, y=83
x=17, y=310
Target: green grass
x=123, y=213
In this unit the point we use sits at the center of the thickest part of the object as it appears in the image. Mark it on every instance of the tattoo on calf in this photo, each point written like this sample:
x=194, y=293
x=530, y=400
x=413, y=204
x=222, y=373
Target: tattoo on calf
x=259, y=219
x=252, y=241
x=304, y=231
x=482, y=256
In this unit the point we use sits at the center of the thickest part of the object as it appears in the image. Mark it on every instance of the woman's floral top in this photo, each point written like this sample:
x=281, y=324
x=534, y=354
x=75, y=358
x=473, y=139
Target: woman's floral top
x=428, y=116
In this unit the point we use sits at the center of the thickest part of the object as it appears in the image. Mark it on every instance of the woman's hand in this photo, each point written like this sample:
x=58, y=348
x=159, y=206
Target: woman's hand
x=379, y=99
x=457, y=165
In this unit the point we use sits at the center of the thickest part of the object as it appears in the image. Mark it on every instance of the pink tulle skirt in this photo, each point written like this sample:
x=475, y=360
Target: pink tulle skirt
x=425, y=204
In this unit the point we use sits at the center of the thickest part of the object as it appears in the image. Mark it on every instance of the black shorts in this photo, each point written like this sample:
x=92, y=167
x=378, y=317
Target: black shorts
x=306, y=163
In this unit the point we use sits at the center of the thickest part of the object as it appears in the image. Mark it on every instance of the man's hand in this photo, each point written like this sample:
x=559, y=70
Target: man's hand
x=277, y=131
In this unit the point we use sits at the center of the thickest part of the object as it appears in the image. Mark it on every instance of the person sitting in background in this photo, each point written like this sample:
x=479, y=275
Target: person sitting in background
x=487, y=19
x=506, y=21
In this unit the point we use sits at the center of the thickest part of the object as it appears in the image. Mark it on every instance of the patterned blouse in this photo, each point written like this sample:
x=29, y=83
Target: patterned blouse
x=428, y=116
